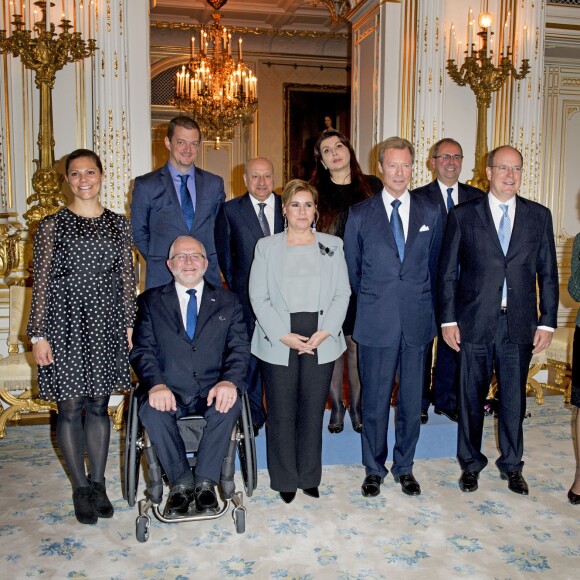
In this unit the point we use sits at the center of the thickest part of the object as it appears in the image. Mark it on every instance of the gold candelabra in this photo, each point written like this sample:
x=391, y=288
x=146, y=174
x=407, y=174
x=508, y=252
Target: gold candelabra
x=45, y=52
x=219, y=93
x=483, y=78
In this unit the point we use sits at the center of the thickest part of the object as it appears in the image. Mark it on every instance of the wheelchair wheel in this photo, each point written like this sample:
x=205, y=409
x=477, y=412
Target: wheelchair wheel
x=132, y=453
x=239, y=515
x=247, y=450
x=142, y=528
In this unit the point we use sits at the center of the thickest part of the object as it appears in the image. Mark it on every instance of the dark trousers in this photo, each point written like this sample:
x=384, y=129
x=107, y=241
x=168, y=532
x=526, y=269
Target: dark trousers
x=378, y=367
x=477, y=362
x=296, y=396
x=445, y=389
x=162, y=429
x=254, y=381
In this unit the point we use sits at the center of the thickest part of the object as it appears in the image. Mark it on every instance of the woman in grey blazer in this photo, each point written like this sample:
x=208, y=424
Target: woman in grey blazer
x=299, y=292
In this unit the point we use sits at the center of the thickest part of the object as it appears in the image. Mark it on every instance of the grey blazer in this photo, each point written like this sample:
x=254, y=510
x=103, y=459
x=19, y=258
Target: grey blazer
x=270, y=303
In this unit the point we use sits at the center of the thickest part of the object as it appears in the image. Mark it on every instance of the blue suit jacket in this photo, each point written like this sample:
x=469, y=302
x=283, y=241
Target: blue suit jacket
x=236, y=234
x=473, y=300
x=393, y=298
x=163, y=353
x=432, y=192
x=157, y=219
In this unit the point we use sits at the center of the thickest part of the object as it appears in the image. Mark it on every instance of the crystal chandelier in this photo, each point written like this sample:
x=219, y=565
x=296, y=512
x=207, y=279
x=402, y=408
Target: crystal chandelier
x=219, y=92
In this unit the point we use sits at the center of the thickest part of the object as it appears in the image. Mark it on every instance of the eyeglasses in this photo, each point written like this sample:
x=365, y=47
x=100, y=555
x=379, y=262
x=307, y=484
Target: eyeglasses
x=445, y=157
x=508, y=168
x=183, y=257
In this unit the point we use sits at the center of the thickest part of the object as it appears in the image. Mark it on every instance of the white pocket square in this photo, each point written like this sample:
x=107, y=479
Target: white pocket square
x=424, y=229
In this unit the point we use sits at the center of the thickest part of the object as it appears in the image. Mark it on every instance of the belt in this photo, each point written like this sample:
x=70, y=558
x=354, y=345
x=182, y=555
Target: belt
x=503, y=310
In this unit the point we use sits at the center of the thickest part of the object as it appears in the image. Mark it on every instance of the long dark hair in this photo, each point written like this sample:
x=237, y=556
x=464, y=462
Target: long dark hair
x=330, y=215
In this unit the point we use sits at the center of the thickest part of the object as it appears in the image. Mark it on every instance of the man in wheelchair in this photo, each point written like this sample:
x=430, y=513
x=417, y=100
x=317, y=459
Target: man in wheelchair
x=190, y=353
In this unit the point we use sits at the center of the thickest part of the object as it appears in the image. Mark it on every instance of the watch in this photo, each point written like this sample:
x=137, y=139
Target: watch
x=36, y=339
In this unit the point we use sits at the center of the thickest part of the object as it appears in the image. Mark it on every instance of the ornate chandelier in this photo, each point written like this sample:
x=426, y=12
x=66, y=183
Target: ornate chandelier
x=219, y=92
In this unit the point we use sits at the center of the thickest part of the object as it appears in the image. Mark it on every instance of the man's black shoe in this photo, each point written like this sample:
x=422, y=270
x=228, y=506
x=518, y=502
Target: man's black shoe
x=409, y=484
x=468, y=481
x=205, y=497
x=256, y=429
x=371, y=486
x=451, y=414
x=424, y=417
x=516, y=481
x=178, y=501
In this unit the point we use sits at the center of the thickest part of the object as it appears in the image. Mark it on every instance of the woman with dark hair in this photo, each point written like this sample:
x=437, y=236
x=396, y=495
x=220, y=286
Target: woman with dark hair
x=574, y=290
x=341, y=183
x=81, y=320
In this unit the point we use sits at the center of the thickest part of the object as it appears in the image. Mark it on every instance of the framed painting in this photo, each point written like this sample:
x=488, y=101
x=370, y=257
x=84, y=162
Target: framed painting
x=309, y=110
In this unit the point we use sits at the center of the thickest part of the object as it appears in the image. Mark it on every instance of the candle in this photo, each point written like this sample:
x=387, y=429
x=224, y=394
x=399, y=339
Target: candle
x=505, y=39
x=470, y=40
x=192, y=48
x=459, y=57
x=47, y=15
x=229, y=44
x=240, y=47
x=487, y=43
x=524, y=41
x=450, y=55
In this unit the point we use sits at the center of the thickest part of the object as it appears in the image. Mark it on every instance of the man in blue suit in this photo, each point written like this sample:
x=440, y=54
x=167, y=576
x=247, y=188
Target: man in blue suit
x=392, y=244
x=490, y=313
x=178, y=199
x=191, y=353
x=240, y=223
x=446, y=161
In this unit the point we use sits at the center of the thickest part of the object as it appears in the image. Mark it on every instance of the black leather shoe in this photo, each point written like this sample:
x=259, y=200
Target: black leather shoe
x=516, y=482
x=178, y=501
x=357, y=427
x=574, y=498
x=451, y=414
x=409, y=484
x=468, y=481
x=371, y=486
x=312, y=492
x=256, y=429
x=205, y=497
x=336, y=423
x=424, y=417
x=287, y=496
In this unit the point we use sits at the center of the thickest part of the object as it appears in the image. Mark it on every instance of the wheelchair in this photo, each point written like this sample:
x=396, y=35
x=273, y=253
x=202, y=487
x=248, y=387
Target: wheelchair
x=138, y=444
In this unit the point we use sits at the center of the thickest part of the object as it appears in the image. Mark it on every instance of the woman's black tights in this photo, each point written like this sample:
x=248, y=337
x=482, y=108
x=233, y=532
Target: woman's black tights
x=72, y=437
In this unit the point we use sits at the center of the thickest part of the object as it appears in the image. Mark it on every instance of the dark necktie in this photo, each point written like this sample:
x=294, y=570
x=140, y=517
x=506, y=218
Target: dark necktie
x=450, y=202
x=504, y=233
x=191, y=317
x=397, y=226
x=186, y=203
x=263, y=220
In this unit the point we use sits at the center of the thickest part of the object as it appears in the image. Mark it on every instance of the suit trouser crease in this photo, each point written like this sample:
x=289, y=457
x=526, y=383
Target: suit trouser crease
x=378, y=367
x=163, y=431
x=477, y=362
x=254, y=380
x=296, y=397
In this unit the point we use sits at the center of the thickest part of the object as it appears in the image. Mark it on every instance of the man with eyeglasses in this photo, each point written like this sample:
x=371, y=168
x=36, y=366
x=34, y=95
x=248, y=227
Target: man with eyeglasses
x=446, y=161
x=391, y=243
x=240, y=223
x=190, y=353
x=176, y=200
x=498, y=253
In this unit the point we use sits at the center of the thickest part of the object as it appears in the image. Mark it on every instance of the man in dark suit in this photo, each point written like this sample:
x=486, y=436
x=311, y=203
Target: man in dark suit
x=504, y=247
x=446, y=161
x=191, y=353
x=392, y=244
x=240, y=223
x=178, y=199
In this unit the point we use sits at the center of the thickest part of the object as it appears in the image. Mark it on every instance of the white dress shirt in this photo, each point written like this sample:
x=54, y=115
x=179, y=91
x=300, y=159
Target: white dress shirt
x=404, y=208
x=268, y=210
x=454, y=195
x=183, y=297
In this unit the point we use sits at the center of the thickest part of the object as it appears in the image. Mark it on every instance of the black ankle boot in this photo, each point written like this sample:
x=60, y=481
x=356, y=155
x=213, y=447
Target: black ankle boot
x=103, y=507
x=83, y=503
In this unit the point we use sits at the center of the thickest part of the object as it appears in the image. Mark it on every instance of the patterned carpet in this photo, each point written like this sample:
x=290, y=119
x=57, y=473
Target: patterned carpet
x=443, y=533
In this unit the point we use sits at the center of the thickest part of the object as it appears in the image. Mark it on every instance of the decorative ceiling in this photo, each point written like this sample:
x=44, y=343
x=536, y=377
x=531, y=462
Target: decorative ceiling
x=310, y=15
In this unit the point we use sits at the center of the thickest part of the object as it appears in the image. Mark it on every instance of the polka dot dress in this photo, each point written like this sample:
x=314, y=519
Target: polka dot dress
x=83, y=301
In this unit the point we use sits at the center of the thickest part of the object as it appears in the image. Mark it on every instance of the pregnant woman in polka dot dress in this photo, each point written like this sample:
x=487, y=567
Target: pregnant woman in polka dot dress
x=81, y=320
